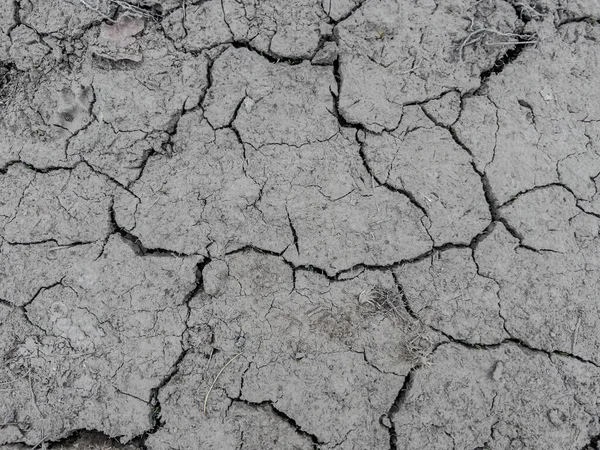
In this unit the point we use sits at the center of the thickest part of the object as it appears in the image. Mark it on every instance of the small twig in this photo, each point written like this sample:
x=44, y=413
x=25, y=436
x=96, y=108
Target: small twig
x=512, y=43
x=575, y=334
x=96, y=9
x=33, y=398
x=60, y=247
x=39, y=443
x=413, y=68
x=128, y=8
x=534, y=12
x=131, y=10
x=215, y=380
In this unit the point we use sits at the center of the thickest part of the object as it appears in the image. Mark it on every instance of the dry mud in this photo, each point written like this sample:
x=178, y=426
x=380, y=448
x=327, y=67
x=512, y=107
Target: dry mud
x=304, y=224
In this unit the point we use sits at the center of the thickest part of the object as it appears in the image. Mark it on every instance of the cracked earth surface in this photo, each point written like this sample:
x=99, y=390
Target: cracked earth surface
x=313, y=224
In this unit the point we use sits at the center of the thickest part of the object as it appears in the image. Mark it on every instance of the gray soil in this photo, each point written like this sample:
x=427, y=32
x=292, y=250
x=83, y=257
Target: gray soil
x=299, y=224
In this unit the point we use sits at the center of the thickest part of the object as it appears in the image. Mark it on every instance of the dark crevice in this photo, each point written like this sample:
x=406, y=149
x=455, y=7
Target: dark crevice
x=589, y=213
x=415, y=316
x=104, y=175
x=585, y=19
x=490, y=198
x=301, y=267
x=40, y=290
x=323, y=39
x=472, y=346
x=50, y=169
x=231, y=33
x=496, y=216
x=229, y=124
x=136, y=244
x=337, y=75
x=527, y=105
x=478, y=346
x=339, y=276
x=399, y=400
x=358, y=268
x=146, y=158
x=524, y=41
x=346, y=16
x=50, y=241
x=154, y=402
x=252, y=248
x=198, y=288
x=481, y=346
x=409, y=195
x=267, y=404
x=4, y=170
x=312, y=269
x=294, y=233
x=424, y=102
x=480, y=237
x=167, y=146
x=269, y=56
x=84, y=438
x=6, y=303
x=209, y=77
x=593, y=444
x=518, y=342
x=359, y=128
x=404, y=298
x=537, y=188
x=16, y=14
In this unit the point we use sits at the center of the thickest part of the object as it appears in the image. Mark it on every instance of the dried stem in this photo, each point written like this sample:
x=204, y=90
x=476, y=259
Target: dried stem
x=477, y=32
x=215, y=380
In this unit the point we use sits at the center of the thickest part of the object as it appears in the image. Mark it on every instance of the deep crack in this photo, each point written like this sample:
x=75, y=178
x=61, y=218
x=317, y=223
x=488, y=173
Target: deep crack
x=283, y=416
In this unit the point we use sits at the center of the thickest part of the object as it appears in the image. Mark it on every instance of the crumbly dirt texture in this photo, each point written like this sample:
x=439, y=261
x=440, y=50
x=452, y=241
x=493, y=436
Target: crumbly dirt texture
x=299, y=224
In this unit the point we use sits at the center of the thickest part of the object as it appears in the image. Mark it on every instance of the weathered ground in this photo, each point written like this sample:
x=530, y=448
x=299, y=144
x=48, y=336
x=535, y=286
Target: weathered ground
x=303, y=224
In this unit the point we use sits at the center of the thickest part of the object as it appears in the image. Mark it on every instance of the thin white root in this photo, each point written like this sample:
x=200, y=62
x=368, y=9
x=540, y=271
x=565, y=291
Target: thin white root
x=59, y=247
x=128, y=8
x=476, y=35
x=532, y=11
x=512, y=43
x=215, y=380
x=96, y=9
